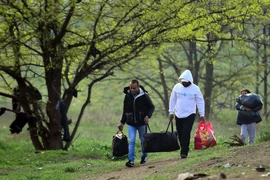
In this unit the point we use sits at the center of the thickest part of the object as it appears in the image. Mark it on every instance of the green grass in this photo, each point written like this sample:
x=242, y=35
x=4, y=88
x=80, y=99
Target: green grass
x=196, y=158
x=90, y=153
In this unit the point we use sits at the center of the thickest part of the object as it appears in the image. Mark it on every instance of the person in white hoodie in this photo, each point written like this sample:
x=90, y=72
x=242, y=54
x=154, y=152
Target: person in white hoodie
x=184, y=99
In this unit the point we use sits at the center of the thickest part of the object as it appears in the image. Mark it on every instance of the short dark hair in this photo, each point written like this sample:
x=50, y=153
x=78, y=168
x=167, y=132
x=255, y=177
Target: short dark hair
x=247, y=90
x=134, y=81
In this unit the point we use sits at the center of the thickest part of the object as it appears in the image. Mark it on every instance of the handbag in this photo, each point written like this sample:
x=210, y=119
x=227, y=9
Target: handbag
x=204, y=136
x=161, y=141
x=119, y=144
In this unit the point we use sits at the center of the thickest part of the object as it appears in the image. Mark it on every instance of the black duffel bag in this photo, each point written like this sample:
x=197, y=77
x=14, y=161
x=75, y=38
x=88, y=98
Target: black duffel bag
x=161, y=141
x=119, y=144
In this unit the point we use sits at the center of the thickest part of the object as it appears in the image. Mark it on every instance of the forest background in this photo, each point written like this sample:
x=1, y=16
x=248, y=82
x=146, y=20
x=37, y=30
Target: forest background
x=92, y=49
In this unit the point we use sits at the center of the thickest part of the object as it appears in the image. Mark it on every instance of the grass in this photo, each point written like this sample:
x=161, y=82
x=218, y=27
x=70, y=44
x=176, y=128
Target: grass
x=198, y=157
x=90, y=154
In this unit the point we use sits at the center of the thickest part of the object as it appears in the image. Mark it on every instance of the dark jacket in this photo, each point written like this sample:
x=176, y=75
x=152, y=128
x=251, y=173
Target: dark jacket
x=247, y=116
x=136, y=108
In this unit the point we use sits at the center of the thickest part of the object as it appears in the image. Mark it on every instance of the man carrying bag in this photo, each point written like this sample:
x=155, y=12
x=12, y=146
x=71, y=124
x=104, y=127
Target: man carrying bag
x=138, y=109
x=185, y=98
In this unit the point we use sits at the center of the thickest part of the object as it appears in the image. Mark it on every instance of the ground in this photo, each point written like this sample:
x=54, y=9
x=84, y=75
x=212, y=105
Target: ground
x=244, y=161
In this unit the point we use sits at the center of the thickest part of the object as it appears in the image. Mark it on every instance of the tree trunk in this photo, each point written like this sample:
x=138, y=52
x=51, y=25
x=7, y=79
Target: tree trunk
x=53, y=83
x=209, y=73
x=190, y=56
x=265, y=79
x=164, y=86
x=26, y=101
x=196, y=64
x=257, y=66
x=209, y=67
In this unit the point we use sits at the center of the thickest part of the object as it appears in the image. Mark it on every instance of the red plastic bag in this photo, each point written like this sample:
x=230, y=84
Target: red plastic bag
x=204, y=136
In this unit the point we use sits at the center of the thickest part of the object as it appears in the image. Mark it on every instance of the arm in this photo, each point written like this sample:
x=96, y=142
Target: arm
x=238, y=106
x=258, y=108
x=172, y=104
x=123, y=118
x=150, y=105
x=200, y=103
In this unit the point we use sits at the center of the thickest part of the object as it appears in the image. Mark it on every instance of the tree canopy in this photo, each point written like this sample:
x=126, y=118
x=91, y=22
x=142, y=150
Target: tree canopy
x=56, y=44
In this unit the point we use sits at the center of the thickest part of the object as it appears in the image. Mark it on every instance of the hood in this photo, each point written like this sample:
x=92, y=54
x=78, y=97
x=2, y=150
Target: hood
x=186, y=75
x=126, y=89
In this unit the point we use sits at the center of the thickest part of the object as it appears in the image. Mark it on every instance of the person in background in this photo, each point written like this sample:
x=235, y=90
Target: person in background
x=184, y=99
x=247, y=118
x=137, y=110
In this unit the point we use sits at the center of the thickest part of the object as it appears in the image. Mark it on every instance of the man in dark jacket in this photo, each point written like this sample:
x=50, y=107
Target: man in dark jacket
x=138, y=109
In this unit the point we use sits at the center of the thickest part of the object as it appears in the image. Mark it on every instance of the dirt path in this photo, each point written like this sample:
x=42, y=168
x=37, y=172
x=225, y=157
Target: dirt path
x=243, y=163
x=139, y=172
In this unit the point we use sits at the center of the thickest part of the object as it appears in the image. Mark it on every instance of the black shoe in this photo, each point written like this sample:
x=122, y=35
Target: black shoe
x=130, y=163
x=183, y=156
x=143, y=160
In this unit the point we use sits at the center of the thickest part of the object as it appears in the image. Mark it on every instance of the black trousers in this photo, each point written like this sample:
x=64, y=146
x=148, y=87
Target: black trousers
x=184, y=127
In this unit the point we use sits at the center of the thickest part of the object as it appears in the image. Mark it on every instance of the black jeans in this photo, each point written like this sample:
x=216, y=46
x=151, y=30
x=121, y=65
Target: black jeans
x=184, y=127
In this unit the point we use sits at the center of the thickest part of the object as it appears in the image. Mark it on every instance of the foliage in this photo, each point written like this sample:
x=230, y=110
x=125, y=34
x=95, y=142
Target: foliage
x=263, y=134
x=58, y=44
x=61, y=43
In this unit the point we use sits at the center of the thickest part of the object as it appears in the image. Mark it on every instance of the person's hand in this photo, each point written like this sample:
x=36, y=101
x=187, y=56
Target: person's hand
x=246, y=108
x=146, y=119
x=120, y=126
x=171, y=117
x=202, y=118
x=241, y=107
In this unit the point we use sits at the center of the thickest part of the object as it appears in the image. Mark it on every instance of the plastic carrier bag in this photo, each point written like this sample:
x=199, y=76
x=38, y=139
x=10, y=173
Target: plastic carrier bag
x=204, y=136
x=251, y=100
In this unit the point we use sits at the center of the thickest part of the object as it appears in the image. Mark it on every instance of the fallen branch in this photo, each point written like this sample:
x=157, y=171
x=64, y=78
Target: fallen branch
x=237, y=141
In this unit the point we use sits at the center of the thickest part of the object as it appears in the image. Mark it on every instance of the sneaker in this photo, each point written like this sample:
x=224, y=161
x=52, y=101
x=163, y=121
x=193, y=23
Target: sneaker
x=143, y=160
x=183, y=156
x=130, y=163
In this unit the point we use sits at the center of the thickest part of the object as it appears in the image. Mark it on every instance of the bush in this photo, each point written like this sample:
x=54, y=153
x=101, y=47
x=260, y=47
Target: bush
x=264, y=135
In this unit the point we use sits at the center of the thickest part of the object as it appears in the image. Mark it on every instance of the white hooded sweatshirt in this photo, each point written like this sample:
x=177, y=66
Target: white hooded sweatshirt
x=183, y=100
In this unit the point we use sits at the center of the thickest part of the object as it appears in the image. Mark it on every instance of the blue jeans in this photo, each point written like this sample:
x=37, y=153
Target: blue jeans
x=132, y=131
